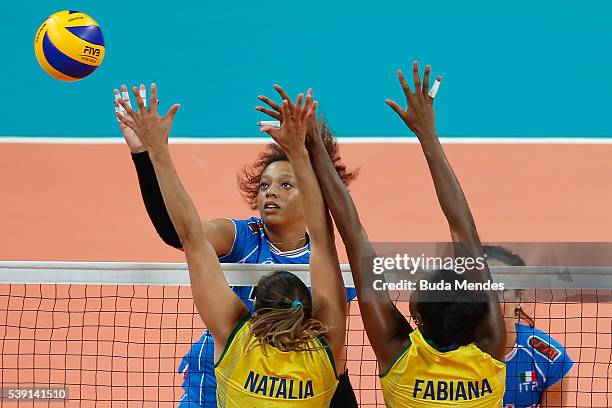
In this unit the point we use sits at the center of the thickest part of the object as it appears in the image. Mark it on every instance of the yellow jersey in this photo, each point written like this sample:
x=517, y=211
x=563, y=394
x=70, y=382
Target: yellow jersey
x=421, y=376
x=249, y=376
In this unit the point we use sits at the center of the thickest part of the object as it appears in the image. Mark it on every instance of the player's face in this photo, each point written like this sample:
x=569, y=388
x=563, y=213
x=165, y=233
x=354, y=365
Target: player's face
x=279, y=200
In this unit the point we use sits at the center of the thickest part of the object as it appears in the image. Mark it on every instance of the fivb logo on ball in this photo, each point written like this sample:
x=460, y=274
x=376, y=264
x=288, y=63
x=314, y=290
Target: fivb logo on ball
x=69, y=45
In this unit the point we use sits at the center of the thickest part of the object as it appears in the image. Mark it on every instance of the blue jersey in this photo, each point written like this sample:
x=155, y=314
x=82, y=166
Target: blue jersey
x=536, y=362
x=250, y=246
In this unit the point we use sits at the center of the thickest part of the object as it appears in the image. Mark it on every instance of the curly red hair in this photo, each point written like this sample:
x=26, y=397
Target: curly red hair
x=250, y=177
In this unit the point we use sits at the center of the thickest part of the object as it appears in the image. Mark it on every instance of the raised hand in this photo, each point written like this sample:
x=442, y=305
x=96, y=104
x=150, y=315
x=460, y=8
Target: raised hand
x=295, y=118
x=146, y=125
x=277, y=113
x=130, y=137
x=419, y=112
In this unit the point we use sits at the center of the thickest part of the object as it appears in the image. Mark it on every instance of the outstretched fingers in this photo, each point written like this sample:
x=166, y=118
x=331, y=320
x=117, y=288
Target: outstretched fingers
x=143, y=94
x=128, y=109
x=118, y=108
x=312, y=110
x=282, y=94
x=172, y=112
x=285, y=111
x=153, y=102
x=297, y=110
x=398, y=109
x=274, y=132
x=125, y=95
x=123, y=120
x=268, y=129
x=405, y=87
x=270, y=112
x=425, y=89
x=139, y=101
x=307, y=107
x=269, y=102
x=416, y=77
x=434, y=89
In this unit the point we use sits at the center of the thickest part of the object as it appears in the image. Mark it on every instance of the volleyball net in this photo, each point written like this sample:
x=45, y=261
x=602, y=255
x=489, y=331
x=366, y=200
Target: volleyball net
x=114, y=333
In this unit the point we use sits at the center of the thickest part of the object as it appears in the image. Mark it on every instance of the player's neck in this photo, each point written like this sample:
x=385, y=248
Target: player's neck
x=286, y=238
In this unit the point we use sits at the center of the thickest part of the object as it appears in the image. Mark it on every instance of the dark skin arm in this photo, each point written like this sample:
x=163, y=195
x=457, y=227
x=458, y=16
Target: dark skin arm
x=419, y=117
x=387, y=329
x=328, y=294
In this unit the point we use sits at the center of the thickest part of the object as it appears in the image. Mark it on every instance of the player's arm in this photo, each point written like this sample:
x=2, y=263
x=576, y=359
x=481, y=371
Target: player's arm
x=208, y=283
x=386, y=328
x=419, y=117
x=220, y=232
x=560, y=389
x=328, y=294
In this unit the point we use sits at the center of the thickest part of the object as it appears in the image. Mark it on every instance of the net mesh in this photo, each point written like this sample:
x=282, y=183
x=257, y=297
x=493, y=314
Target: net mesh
x=122, y=343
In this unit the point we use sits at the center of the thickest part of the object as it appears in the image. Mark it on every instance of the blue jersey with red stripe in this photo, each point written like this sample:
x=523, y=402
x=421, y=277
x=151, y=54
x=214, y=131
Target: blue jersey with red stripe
x=251, y=246
x=536, y=362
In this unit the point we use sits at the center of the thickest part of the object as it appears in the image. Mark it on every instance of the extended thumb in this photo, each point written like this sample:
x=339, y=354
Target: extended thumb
x=172, y=111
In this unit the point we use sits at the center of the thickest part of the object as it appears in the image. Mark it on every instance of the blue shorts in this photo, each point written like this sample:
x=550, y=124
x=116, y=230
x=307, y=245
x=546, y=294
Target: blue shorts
x=198, y=369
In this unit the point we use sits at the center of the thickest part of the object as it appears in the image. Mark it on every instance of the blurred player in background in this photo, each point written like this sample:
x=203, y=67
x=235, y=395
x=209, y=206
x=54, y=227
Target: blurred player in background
x=536, y=364
x=277, y=236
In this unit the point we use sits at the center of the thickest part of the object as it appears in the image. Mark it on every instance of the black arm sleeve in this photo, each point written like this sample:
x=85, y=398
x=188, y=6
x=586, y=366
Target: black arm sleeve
x=154, y=201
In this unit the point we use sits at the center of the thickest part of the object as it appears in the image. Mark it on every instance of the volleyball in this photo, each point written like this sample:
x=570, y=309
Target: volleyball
x=69, y=45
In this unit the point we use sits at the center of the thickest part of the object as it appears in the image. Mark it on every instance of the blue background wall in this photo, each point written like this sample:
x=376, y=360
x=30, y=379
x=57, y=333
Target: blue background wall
x=520, y=68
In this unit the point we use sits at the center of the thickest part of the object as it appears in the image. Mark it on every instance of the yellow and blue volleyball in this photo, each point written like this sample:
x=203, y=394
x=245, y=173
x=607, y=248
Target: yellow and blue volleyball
x=69, y=45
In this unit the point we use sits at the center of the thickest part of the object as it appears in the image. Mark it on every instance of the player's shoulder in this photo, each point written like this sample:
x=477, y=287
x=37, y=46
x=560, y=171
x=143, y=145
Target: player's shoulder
x=247, y=237
x=253, y=225
x=247, y=227
x=541, y=344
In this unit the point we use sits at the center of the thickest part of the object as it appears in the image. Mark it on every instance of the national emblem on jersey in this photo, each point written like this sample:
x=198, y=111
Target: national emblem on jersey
x=529, y=377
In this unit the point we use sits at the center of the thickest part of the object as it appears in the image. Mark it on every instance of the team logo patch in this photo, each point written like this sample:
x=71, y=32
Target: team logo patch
x=544, y=348
x=255, y=226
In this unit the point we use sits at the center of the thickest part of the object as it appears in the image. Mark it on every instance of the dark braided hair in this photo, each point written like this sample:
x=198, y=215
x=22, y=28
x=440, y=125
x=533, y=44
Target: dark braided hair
x=450, y=316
